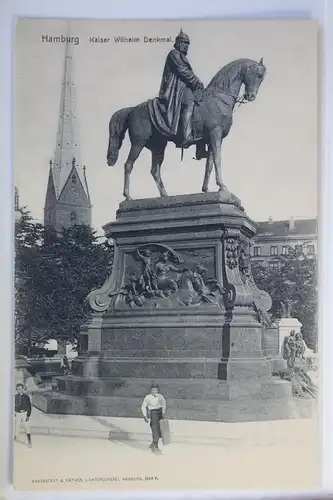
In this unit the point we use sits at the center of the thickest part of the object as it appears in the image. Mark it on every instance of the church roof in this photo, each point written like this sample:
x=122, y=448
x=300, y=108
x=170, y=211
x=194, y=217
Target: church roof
x=67, y=145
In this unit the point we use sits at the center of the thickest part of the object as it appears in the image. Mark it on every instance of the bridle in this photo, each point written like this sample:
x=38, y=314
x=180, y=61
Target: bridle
x=238, y=99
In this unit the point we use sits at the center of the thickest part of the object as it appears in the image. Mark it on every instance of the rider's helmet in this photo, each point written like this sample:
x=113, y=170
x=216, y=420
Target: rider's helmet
x=182, y=37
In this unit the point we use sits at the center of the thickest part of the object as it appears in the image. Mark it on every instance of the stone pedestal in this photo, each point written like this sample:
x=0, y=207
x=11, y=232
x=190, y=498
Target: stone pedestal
x=180, y=308
x=270, y=347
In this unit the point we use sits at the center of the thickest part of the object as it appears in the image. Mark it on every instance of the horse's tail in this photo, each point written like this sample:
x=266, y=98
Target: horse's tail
x=117, y=130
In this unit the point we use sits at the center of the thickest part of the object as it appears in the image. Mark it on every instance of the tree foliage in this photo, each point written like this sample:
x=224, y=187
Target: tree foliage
x=53, y=275
x=296, y=282
x=28, y=242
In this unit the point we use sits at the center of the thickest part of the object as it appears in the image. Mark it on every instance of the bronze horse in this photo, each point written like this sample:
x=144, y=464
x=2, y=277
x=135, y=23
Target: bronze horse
x=213, y=124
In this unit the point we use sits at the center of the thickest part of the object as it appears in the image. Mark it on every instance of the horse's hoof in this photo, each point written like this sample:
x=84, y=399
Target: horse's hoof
x=127, y=198
x=205, y=190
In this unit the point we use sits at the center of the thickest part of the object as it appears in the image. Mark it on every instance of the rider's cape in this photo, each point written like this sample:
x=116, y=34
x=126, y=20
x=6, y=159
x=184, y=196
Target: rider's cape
x=165, y=109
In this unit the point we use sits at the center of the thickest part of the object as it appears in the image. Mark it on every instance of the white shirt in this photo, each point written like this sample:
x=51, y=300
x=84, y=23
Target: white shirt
x=153, y=402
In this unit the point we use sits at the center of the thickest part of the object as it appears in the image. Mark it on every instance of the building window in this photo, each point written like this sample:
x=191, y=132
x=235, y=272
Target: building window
x=274, y=266
x=284, y=250
x=256, y=251
x=310, y=249
x=74, y=179
x=274, y=250
x=73, y=217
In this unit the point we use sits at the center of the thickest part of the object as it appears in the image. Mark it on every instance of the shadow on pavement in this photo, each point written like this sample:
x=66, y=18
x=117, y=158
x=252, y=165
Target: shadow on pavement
x=63, y=434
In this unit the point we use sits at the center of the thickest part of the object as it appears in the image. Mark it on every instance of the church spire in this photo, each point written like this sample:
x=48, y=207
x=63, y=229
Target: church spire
x=67, y=146
x=67, y=200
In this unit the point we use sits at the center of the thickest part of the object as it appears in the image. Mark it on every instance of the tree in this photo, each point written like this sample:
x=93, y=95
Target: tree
x=28, y=242
x=53, y=275
x=295, y=282
x=75, y=263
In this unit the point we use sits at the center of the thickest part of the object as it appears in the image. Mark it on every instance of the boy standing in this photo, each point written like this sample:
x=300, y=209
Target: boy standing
x=22, y=412
x=153, y=410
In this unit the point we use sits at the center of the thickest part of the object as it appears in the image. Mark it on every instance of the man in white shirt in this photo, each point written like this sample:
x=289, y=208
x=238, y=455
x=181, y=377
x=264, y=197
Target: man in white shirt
x=153, y=409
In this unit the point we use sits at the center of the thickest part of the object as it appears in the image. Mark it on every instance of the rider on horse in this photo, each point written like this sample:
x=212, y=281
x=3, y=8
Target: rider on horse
x=179, y=90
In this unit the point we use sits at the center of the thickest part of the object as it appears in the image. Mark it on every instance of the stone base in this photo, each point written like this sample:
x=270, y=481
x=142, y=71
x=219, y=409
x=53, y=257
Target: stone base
x=180, y=308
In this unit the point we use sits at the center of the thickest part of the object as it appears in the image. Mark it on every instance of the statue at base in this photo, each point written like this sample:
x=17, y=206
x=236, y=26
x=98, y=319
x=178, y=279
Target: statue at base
x=293, y=350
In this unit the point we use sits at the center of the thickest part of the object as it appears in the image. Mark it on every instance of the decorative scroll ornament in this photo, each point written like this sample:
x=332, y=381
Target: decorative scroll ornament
x=262, y=301
x=231, y=249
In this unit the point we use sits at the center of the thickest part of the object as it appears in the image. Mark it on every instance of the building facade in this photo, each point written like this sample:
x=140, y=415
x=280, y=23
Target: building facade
x=67, y=199
x=276, y=238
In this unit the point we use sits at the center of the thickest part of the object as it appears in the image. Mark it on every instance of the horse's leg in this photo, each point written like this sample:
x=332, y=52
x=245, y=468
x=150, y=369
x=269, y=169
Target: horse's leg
x=208, y=171
x=157, y=160
x=132, y=157
x=216, y=145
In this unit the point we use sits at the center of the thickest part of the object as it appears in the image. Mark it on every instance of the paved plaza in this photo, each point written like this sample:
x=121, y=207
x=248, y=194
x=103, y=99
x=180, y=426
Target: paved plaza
x=79, y=452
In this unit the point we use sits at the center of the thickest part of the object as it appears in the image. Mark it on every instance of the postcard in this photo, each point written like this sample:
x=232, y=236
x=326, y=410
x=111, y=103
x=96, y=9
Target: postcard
x=166, y=255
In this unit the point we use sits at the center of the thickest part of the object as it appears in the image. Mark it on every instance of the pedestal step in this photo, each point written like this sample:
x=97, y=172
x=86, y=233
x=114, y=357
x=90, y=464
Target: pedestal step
x=164, y=368
x=242, y=410
x=205, y=389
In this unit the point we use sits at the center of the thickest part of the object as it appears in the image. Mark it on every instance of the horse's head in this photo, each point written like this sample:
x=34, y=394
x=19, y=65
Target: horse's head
x=253, y=77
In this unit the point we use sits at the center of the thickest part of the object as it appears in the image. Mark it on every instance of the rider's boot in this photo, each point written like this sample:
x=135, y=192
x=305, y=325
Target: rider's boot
x=185, y=128
x=201, y=151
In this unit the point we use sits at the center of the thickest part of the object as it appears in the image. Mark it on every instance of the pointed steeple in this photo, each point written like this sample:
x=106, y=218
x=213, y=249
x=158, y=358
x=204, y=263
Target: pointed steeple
x=67, y=145
x=67, y=199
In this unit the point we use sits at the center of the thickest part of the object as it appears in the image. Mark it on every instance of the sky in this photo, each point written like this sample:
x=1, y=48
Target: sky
x=269, y=159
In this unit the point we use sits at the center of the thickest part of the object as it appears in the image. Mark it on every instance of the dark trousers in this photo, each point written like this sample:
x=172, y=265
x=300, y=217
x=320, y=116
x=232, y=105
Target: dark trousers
x=155, y=417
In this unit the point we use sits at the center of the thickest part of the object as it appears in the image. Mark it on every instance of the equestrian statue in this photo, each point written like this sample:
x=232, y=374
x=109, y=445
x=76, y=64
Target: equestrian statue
x=185, y=113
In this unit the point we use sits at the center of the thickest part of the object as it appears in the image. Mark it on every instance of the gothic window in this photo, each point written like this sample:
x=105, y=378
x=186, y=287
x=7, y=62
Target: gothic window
x=73, y=218
x=257, y=251
x=74, y=179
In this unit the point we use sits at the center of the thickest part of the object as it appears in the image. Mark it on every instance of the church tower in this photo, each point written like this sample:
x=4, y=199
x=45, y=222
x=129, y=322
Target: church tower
x=67, y=199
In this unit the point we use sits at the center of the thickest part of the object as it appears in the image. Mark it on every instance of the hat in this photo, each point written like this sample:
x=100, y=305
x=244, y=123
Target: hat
x=182, y=37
